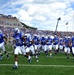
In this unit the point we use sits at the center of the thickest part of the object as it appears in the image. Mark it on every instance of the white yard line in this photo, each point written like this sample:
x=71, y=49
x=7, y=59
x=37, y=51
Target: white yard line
x=47, y=57
x=61, y=57
x=23, y=65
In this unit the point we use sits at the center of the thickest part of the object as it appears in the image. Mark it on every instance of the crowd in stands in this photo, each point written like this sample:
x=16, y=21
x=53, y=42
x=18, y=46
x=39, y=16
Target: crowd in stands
x=13, y=21
x=10, y=31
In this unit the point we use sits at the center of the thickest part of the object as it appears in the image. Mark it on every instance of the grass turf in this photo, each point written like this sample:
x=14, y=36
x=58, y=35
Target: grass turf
x=57, y=65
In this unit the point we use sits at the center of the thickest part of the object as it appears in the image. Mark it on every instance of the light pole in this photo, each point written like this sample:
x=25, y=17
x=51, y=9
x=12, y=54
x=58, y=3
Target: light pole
x=57, y=24
x=67, y=28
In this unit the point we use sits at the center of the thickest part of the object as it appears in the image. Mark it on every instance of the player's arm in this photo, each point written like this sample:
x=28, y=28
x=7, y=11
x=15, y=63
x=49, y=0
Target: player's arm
x=32, y=41
x=5, y=39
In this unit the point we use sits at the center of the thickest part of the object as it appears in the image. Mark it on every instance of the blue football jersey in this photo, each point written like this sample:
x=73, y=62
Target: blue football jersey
x=56, y=40
x=18, y=38
x=28, y=42
x=72, y=41
x=36, y=40
x=1, y=38
x=43, y=40
x=61, y=42
x=67, y=41
x=49, y=41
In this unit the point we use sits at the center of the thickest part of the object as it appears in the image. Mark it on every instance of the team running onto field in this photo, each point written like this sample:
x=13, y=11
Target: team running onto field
x=31, y=45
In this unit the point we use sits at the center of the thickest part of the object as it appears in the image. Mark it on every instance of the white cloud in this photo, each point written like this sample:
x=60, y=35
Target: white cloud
x=28, y=23
x=44, y=13
x=23, y=15
x=19, y=2
x=58, y=5
x=47, y=14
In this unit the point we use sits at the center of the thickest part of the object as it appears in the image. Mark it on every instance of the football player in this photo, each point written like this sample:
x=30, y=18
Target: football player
x=2, y=45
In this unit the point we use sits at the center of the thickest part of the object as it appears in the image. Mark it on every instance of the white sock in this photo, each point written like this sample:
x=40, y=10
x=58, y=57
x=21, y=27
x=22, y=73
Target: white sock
x=50, y=54
x=16, y=63
x=29, y=57
x=36, y=56
x=0, y=53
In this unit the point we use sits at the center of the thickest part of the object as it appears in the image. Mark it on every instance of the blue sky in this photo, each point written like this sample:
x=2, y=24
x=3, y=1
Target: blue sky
x=42, y=14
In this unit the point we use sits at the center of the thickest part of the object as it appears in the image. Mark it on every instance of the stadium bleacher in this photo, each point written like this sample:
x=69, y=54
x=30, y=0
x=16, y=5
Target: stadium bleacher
x=7, y=23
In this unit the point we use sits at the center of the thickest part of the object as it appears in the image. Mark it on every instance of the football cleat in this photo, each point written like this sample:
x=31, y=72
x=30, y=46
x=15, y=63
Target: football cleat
x=50, y=56
x=37, y=60
x=8, y=56
x=15, y=67
x=68, y=58
x=1, y=57
x=29, y=60
x=47, y=56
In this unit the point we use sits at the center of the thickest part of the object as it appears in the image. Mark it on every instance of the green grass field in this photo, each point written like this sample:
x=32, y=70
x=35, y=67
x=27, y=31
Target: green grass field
x=57, y=65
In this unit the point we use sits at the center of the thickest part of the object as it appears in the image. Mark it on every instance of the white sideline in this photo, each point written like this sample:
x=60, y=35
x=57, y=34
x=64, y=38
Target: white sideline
x=23, y=65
